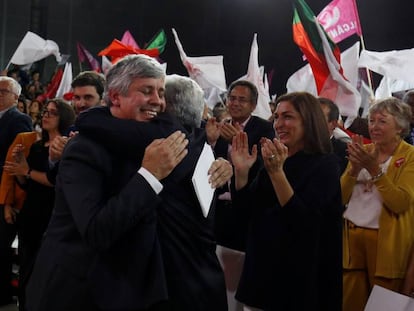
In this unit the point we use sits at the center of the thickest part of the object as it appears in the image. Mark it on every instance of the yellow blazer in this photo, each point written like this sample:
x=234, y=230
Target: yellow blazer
x=9, y=193
x=396, y=222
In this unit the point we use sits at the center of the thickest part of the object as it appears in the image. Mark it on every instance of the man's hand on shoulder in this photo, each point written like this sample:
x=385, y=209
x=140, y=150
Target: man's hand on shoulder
x=163, y=155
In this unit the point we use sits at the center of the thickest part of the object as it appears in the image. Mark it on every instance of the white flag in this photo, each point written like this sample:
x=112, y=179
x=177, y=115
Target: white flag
x=389, y=86
x=345, y=95
x=106, y=64
x=302, y=81
x=349, y=63
x=398, y=65
x=33, y=48
x=255, y=76
x=65, y=83
x=207, y=71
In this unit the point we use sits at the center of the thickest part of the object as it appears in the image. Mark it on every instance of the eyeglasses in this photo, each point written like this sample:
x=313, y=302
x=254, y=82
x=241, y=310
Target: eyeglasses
x=49, y=113
x=5, y=91
x=241, y=100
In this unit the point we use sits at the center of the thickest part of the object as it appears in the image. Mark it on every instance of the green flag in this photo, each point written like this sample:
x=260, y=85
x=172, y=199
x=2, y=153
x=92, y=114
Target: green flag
x=158, y=42
x=306, y=36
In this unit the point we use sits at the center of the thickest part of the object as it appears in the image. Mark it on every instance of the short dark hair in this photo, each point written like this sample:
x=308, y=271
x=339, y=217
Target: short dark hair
x=22, y=99
x=316, y=134
x=333, y=108
x=90, y=78
x=253, y=89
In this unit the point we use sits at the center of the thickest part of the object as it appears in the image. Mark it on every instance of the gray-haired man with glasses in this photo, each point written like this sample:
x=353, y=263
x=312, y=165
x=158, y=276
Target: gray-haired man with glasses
x=12, y=122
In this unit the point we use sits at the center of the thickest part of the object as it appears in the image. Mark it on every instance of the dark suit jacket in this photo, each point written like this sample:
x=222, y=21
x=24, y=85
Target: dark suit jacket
x=339, y=148
x=100, y=248
x=231, y=225
x=154, y=248
x=12, y=123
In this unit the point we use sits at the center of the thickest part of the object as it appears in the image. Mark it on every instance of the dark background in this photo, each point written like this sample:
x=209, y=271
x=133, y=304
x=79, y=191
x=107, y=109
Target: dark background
x=205, y=27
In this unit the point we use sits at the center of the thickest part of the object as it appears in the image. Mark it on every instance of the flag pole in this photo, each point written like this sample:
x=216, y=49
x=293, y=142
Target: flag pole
x=361, y=37
x=5, y=70
x=79, y=59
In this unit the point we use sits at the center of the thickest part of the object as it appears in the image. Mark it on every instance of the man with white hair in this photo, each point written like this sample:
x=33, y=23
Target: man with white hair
x=12, y=122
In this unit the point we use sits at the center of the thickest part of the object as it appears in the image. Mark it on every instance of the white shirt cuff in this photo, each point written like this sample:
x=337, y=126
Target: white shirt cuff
x=154, y=182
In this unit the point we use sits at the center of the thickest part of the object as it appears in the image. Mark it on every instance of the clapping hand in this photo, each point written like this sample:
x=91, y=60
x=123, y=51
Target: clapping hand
x=19, y=166
x=212, y=131
x=242, y=159
x=56, y=147
x=274, y=154
x=229, y=130
x=361, y=157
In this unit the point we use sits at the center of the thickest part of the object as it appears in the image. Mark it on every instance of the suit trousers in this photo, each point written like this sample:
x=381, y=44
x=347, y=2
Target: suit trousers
x=7, y=235
x=359, y=280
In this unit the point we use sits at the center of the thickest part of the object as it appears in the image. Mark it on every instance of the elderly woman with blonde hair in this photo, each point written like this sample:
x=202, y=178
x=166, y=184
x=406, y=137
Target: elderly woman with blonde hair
x=378, y=191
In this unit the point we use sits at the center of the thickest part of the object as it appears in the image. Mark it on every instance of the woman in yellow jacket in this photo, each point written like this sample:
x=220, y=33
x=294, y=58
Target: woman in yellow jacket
x=378, y=191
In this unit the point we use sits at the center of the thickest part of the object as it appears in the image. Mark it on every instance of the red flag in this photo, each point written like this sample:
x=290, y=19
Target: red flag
x=117, y=50
x=52, y=86
x=85, y=56
x=340, y=19
x=324, y=58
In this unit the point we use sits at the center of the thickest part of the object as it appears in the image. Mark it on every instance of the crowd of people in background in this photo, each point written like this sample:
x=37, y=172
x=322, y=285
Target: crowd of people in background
x=306, y=215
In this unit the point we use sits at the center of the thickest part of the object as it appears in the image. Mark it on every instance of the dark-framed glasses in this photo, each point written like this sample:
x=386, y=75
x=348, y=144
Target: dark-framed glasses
x=49, y=113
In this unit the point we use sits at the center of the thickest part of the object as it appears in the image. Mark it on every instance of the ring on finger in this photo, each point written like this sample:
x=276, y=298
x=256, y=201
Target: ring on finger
x=272, y=157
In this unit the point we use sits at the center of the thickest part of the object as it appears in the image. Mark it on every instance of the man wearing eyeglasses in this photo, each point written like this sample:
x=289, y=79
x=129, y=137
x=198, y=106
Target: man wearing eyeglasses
x=12, y=122
x=231, y=224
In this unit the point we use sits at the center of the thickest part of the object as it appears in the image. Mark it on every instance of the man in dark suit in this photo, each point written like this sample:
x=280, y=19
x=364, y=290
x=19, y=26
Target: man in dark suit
x=12, y=122
x=331, y=112
x=102, y=249
x=88, y=90
x=194, y=278
x=231, y=224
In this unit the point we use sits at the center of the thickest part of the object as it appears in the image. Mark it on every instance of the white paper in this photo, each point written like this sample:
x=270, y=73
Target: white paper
x=200, y=178
x=382, y=299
